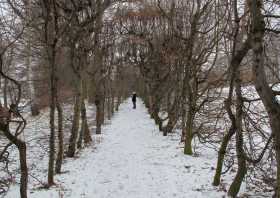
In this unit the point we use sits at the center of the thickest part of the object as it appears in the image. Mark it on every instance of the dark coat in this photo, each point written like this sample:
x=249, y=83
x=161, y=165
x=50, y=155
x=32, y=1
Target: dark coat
x=134, y=97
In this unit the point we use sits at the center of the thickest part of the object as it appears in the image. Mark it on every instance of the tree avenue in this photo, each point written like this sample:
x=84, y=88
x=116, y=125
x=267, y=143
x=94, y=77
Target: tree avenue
x=206, y=70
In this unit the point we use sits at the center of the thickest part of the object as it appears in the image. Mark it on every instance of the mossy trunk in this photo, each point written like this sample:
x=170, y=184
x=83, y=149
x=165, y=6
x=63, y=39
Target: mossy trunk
x=242, y=168
x=221, y=156
x=226, y=139
x=189, y=132
x=241, y=172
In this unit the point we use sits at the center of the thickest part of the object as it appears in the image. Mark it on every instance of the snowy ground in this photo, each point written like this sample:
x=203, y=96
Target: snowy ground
x=131, y=159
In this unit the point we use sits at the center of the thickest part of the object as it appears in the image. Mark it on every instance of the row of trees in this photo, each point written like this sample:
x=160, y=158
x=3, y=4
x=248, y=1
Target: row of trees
x=63, y=49
x=211, y=66
x=208, y=66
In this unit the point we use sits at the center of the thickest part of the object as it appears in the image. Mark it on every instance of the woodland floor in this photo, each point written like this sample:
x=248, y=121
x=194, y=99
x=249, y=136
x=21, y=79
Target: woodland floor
x=131, y=159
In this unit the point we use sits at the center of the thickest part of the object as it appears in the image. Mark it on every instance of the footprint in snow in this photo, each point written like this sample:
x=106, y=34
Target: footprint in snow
x=106, y=181
x=121, y=186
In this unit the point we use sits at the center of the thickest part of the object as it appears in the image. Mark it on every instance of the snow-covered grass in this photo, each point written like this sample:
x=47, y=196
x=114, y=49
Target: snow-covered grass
x=131, y=159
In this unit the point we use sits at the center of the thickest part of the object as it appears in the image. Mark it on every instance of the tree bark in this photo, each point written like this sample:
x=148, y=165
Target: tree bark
x=34, y=106
x=242, y=168
x=21, y=145
x=5, y=93
x=189, y=132
x=112, y=101
x=172, y=115
x=98, y=113
x=86, y=132
x=60, y=153
x=23, y=170
x=266, y=94
x=52, y=124
x=76, y=122
x=87, y=136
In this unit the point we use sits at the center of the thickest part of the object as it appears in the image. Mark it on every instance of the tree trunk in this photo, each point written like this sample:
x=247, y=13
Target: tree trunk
x=221, y=156
x=172, y=116
x=151, y=102
x=109, y=107
x=83, y=115
x=23, y=170
x=238, y=53
x=265, y=92
x=52, y=118
x=21, y=145
x=98, y=114
x=189, y=132
x=87, y=136
x=119, y=99
x=34, y=106
x=242, y=169
x=60, y=153
x=51, y=143
x=81, y=133
x=102, y=112
x=76, y=122
x=155, y=115
x=5, y=93
x=227, y=137
x=241, y=172
x=154, y=109
x=112, y=101
x=86, y=132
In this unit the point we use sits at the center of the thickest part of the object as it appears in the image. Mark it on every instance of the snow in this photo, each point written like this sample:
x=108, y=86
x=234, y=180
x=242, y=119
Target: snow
x=131, y=159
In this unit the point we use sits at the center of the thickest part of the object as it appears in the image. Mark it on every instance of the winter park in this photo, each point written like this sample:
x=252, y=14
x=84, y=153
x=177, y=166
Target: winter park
x=139, y=98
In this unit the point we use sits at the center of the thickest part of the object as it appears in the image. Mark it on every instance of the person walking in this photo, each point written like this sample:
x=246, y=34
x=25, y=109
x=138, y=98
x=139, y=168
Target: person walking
x=134, y=100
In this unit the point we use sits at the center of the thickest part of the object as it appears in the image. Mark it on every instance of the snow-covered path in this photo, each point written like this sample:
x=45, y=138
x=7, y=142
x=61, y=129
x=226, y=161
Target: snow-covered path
x=134, y=160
